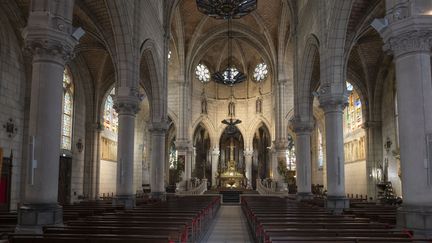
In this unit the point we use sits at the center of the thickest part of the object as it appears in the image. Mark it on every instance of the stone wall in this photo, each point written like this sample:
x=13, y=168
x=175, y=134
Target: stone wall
x=12, y=93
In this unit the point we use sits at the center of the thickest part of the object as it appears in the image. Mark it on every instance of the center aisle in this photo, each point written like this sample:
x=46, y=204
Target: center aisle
x=229, y=226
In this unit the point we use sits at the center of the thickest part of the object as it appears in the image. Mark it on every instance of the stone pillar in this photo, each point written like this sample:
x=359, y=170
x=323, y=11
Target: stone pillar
x=333, y=106
x=184, y=153
x=248, y=153
x=303, y=132
x=408, y=37
x=50, y=49
x=126, y=107
x=215, y=162
x=373, y=155
x=193, y=162
x=158, y=133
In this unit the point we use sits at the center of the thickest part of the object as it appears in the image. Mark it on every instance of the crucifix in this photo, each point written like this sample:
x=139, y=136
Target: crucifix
x=231, y=162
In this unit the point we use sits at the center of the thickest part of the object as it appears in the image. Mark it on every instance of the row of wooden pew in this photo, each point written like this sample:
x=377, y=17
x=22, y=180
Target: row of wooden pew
x=179, y=219
x=275, y=219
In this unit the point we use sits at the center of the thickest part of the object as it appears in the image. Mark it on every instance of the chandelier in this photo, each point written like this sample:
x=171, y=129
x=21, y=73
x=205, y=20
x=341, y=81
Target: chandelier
x=230, y=75
x=226, y=9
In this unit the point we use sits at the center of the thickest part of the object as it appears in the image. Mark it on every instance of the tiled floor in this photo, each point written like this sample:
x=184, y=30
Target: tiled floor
x=229, y=226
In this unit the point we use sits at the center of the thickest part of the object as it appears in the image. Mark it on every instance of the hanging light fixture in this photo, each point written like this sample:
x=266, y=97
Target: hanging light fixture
x=230, y=75
x=226, y=9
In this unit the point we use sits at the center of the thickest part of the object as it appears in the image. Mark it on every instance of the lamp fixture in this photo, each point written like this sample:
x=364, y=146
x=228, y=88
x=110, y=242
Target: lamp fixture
x=230, y=75
x=226, y=9
x=80, y=145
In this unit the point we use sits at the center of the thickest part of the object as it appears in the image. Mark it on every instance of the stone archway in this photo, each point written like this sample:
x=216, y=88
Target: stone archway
x=201, y=141
x=261, y=155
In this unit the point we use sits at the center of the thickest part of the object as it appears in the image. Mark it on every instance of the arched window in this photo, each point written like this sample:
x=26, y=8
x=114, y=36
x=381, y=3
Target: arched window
x=110, y=115
x=353, y=112
x=290, y=154
x=68, y=91
x=320, y=150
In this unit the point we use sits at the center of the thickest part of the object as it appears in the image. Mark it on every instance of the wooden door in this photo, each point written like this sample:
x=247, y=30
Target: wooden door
x=64, y=183
x=5, y=184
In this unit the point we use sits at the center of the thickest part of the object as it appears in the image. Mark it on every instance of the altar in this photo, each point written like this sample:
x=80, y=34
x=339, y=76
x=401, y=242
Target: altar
x=231, y=178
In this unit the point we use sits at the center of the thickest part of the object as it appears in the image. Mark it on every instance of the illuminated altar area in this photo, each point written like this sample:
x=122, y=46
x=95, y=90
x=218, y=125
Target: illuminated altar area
x=231, y=177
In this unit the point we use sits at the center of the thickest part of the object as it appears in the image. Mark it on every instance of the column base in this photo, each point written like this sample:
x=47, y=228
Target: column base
x=31, y=217
x=415, y=218
x=127, y=200
x=336, y=204
x=304, y=196
x=158, y=195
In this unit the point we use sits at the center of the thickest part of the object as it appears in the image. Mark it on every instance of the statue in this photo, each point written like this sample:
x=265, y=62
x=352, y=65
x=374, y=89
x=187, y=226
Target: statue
x=258, y=105
x=231, y=108
x=204, y=106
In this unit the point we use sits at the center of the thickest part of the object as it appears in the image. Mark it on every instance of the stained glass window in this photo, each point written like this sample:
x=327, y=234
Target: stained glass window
x=353, y=112
x=260, y=72
x=320, y=150
x=110, y=115
x=202, y=73
x=68, y=90
x=290, y=154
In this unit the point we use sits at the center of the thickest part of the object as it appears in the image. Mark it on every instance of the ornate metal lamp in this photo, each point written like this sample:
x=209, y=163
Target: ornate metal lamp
x=226, y=9
x=230, y=75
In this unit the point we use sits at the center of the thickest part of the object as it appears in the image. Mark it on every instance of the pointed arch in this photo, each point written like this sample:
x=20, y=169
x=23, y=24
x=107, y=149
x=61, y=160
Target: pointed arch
x=150, y=77
x=207, y=123
x=303, y=95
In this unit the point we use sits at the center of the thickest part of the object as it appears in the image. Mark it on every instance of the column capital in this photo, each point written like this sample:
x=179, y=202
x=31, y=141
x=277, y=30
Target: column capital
x=371, y=124
x=183, y=144
x=331, y=101
x=48, y=43
x=215, y=152
x=281, y=144
x=413, y=41
x=248, y=152
x=282, y=81
x=127, y=105
x=302, y=127
x=158, y=127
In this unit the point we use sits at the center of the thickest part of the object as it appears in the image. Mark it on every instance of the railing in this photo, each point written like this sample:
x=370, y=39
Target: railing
x=270, y=189
x=194, y=190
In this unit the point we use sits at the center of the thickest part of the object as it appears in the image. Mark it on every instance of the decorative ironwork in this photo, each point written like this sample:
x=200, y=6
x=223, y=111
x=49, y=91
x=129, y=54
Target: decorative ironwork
x=230, y=75
x=10, y=128
x=226, y=9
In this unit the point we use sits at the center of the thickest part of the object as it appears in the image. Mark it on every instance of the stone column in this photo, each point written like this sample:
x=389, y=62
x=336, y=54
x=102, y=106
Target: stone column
x=409, y=37
x=333, y=106
x=281, y=141
x=50, y=49
x=215, y=162
x=158, y=133
x=183, y=152
x=373, y=155
x=126, y=107
x=193, y=162
x=303, y=130
x=248, y=153
x=92, y=160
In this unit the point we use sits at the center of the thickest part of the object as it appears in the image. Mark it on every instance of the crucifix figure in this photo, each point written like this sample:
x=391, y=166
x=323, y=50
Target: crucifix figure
x=231, y=163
